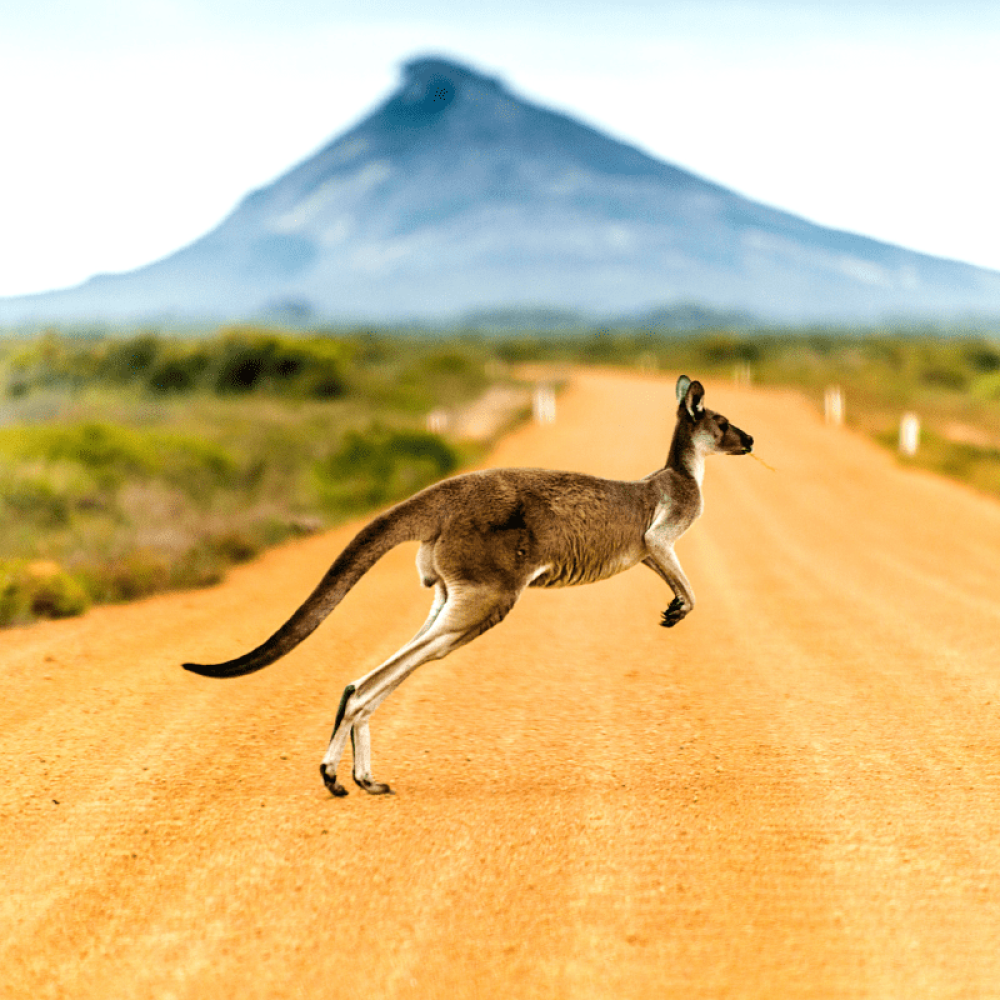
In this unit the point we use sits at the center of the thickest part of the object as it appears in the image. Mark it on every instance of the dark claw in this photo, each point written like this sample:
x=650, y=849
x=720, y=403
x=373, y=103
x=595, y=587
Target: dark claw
x=330, y=780
x=673, y=614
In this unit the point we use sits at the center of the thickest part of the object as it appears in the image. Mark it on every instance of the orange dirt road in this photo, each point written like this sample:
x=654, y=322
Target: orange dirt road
x=794, y=793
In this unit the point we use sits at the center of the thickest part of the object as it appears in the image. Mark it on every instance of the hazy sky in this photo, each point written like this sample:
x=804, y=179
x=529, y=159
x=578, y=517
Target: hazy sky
x=130, y=127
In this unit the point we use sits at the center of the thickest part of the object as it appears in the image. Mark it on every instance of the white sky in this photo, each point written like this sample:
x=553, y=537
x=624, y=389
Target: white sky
x=130, y=127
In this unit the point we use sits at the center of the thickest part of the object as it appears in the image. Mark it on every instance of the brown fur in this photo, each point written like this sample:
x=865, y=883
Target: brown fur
x=486, y=536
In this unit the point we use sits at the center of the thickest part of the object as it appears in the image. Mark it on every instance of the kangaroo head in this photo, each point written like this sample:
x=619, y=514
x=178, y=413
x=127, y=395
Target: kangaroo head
x=710, y=432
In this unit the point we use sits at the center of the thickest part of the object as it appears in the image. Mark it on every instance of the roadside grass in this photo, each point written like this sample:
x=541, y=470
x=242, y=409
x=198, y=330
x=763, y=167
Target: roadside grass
x=118, y=481
x=951, y=384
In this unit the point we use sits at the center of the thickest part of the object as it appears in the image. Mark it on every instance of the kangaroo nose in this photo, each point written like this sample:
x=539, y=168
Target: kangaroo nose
x=747, y=441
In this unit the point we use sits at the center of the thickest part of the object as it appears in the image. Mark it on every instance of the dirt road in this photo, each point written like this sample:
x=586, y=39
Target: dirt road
x=794, y=793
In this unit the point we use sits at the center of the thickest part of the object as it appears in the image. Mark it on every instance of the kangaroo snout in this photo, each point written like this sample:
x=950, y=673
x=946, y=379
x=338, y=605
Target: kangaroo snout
x=747, y=441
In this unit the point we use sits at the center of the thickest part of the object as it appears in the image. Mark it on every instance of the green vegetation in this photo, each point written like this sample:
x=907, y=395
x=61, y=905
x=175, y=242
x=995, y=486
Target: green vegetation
x=128, y=467
x=375, y=467
x=131, y=466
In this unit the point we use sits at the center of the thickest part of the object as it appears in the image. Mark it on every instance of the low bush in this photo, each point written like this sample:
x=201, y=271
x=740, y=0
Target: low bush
x=31, y=590
x=238, y=360
x=111, y=454
x=377, y=466
x=34, y=499
x=154, y=462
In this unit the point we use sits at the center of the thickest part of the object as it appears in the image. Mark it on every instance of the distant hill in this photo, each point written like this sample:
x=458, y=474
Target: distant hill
x=456, y=197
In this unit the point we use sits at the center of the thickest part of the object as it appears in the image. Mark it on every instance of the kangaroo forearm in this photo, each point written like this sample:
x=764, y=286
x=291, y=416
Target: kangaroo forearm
x=669, y=570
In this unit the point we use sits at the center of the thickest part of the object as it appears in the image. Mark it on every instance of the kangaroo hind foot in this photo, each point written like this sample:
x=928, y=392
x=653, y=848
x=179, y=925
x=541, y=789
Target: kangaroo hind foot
x=374, y=787
x=330, y=780
x=329, y=773
x=361, y=743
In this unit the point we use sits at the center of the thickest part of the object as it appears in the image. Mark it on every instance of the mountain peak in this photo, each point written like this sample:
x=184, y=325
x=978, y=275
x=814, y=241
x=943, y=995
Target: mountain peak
x=424, y=71
x=456, y=194
x=430, y=86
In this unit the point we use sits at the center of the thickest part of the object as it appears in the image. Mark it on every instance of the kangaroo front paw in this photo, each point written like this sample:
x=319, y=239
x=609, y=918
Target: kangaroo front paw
x=373, y=787
x=674, y=613
x=330, y=780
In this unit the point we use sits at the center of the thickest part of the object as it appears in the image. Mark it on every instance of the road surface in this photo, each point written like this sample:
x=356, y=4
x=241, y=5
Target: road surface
x=794, y=793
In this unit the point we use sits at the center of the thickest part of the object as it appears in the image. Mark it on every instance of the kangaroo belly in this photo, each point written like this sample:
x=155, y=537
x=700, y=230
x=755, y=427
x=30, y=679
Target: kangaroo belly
x=571, y=572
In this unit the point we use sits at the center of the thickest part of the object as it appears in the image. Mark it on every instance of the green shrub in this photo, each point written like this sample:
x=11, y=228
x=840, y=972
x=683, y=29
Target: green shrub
x=239, y=360
x=112, y=454
x=944, y=376
x=180, y=370
x=58, y=595
x=37, y=501
x=127, y=577
x=197, y=466
x=14, y=601
x=983, y=358
x=517, y=350
x=378, y=466
x=127, y=360
x=250, y=360
x=729, y=349
x=106, y=450
x=38, y=590
x=235, y=546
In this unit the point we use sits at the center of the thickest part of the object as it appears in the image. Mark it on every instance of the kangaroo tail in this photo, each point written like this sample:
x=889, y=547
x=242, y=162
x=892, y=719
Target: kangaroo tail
x=371, y=543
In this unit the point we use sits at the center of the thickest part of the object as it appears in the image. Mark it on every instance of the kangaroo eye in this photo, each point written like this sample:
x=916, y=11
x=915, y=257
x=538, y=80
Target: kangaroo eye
x=723, y=426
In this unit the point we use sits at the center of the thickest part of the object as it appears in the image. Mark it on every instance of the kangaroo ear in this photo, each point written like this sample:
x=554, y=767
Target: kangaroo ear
x=693, y=399
x=683, y=383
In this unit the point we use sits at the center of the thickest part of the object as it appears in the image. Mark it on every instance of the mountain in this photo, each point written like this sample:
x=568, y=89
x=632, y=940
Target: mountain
x=456, y=196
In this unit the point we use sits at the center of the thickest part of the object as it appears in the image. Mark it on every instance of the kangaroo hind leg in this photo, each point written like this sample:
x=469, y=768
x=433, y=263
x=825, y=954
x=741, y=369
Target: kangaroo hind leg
x=440, y=598
x=466, y=613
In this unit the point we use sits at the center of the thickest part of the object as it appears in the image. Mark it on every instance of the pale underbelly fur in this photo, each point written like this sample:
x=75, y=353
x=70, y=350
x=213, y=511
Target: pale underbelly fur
x=572, y=572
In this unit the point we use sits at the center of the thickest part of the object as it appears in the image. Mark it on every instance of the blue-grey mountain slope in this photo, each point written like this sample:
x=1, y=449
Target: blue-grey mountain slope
x=455, y=195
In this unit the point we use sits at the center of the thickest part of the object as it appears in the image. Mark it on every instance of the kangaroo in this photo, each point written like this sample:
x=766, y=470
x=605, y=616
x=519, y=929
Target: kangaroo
x=486, y=536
